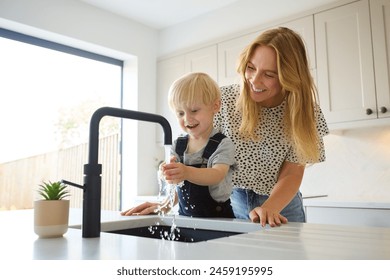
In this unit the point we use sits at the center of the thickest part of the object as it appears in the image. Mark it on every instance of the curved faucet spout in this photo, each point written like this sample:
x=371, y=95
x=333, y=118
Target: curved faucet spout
x=124, y=114
x=93, y=170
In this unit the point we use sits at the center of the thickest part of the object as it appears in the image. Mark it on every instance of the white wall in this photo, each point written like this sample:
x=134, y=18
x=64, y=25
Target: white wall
x=77, y=24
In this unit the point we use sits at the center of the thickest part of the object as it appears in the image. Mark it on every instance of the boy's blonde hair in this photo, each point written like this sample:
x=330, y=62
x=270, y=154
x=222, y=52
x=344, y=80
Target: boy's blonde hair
x=191, y=88
x=297, y=85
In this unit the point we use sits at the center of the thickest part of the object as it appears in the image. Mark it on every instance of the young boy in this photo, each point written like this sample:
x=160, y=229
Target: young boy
x=203, y=160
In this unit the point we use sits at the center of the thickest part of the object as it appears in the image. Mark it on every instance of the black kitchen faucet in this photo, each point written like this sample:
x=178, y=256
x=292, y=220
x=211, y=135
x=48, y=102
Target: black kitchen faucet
x=93, y=170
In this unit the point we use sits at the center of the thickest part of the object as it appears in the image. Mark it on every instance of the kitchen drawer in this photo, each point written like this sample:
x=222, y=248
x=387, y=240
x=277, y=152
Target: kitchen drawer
x=357, y=216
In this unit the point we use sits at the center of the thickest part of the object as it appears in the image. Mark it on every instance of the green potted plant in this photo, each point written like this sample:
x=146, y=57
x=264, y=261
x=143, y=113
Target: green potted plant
x=51, y=212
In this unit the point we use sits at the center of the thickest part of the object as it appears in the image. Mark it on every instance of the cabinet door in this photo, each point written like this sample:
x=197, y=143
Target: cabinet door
x=345, y=71
x=228, y=53
x=203, y=60
x=167, y=72
x=348, y=216
x=380, y=20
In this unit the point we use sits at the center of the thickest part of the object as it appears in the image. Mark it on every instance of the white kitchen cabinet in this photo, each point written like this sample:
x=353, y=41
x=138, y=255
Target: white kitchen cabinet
x=202, y=60
x=348, y=50
x=380, y=26
x=229, y=51
x=170, y=69
x=345, y=63
x=347, y=213
x=167, y=72
x=228, y=54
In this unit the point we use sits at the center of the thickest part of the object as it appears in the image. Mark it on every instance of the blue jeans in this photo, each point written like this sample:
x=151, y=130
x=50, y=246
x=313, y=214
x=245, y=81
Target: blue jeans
x=243, y=201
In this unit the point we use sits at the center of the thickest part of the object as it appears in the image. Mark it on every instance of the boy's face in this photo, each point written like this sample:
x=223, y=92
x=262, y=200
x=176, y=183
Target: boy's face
x=197, y=119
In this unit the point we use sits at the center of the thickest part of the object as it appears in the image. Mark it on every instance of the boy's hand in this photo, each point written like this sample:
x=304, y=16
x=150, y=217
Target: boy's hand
x=174, y=172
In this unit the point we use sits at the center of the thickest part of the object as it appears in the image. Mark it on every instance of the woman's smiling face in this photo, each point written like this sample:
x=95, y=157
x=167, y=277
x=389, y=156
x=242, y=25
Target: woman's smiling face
x=261, y=74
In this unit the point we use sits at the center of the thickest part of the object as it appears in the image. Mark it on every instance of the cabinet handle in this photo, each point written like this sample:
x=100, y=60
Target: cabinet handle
x=369, y=111
x=383, y=110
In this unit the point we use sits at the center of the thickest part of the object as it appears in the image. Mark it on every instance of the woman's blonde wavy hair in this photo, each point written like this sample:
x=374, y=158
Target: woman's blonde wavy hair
x=297, y=86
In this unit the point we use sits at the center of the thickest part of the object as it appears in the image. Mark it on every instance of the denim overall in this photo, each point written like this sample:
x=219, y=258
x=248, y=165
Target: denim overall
x=195, y=200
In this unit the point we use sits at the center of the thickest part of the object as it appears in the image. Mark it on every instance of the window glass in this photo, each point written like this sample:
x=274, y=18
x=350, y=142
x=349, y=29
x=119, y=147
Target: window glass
x=47, y=99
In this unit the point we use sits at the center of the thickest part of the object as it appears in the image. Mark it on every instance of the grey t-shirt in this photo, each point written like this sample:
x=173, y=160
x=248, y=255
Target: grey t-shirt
x=224, y=154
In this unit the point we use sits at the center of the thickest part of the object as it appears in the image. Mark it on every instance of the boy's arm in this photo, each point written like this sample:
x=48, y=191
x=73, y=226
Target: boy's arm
x=218, y=167
x=175, y=173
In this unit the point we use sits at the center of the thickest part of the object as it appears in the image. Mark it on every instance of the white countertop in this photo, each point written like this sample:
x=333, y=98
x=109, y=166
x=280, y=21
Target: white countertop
x=292, y=241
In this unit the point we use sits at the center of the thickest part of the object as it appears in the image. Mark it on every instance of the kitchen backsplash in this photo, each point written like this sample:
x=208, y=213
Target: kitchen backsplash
x=357, y=167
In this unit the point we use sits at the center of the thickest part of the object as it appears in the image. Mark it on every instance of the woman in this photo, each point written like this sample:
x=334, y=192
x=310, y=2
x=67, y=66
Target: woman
x=276, y=125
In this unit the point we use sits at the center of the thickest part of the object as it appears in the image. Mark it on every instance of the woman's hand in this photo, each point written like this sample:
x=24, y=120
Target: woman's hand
x=290, y=178
x=264, y=215
x=145, y=208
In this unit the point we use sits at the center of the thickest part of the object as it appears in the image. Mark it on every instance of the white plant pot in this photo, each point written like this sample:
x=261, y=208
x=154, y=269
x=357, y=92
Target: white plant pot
x=51, y=218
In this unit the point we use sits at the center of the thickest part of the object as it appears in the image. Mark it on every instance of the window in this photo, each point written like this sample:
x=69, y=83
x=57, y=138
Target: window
x=48, y=94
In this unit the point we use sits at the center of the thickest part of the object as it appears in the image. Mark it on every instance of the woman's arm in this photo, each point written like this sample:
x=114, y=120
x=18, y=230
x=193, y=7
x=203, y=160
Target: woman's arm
x=148, y=208
x=289, y=181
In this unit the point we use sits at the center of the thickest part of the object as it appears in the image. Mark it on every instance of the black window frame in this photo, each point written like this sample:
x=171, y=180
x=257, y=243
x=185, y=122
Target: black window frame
x=5, y=33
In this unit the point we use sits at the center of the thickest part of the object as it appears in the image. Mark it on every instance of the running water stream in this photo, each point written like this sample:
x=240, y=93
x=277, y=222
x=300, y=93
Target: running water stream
x=170, y=191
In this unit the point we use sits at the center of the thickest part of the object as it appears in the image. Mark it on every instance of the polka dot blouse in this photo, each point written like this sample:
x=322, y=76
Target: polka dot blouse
x=259, y=161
